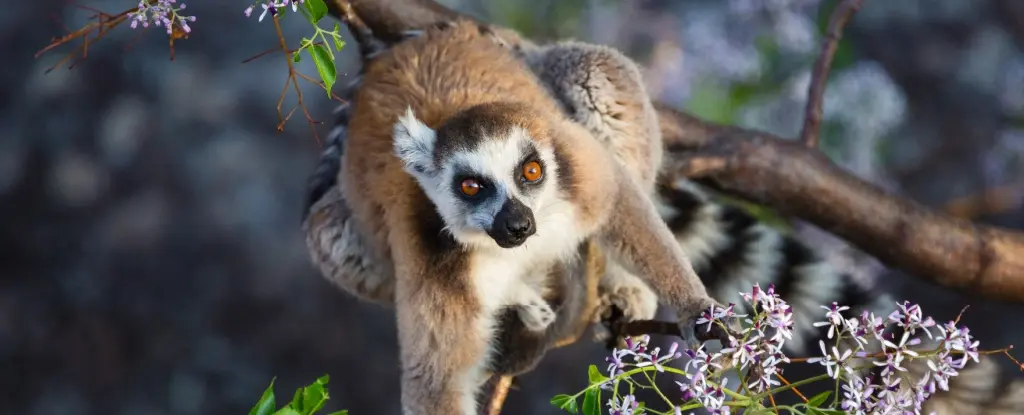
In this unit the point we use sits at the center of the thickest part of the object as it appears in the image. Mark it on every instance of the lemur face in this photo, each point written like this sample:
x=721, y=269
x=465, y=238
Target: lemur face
x=489, y=182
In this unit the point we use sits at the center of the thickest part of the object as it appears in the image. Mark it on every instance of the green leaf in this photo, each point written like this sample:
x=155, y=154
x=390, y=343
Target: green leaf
x=296, y=57
x=287, y=411
x=266, y=404
x=324, y=65
x=565, y=402
x=341, y=412
x=296, y=402
x=592, y=402
x=313, y=398
x=595, y=375
x=818, y=399
x=338, y=43
x=317, y=10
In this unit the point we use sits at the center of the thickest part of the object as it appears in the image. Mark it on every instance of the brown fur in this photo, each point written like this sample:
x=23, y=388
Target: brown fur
x=435, y=307
x=442, y=338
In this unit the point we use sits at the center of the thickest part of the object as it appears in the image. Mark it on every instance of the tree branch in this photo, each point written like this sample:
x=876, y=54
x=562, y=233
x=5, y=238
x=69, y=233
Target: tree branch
x=903, y=234
x=816, y=90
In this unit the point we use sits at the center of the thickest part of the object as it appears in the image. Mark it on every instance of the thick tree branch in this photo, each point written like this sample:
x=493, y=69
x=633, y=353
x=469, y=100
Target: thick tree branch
x=819, y=76
x=785, y=175
x=389, y=18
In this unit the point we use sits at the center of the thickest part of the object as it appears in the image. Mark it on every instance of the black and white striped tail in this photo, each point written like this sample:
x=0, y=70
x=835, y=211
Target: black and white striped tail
x=731, y=251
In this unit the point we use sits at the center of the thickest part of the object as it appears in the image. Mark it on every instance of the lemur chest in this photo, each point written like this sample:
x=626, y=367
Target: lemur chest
x=500, y=279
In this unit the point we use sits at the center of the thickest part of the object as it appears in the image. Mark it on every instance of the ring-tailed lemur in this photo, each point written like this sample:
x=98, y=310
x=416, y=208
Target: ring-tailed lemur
x=482, y=187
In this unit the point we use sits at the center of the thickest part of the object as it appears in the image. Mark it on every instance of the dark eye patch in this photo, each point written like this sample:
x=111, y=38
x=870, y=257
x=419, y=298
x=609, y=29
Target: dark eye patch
x=524, y=185
x=486, y=186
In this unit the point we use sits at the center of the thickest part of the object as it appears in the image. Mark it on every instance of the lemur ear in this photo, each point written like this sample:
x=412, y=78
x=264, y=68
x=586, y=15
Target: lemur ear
x=414, y=143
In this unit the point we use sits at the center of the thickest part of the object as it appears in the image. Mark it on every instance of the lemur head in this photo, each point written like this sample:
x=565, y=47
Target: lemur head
x=490, y=170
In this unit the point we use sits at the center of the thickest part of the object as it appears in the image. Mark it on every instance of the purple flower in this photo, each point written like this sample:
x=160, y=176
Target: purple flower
x=273, y=7
x=161, y=13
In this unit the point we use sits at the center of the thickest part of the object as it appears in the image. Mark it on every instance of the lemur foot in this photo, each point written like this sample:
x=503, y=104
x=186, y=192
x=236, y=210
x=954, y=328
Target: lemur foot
x=632, y=297
x=536, y=315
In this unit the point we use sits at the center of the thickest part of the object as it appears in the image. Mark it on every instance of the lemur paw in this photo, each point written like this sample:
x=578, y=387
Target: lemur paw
x=635, y=300
x=693, y=333
x=536, y=315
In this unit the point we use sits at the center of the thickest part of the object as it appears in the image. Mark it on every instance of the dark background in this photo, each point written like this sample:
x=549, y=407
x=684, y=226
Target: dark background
x=152, y=261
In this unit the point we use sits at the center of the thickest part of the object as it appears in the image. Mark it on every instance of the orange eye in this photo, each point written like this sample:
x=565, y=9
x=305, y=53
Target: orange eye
x=532, y=171
x=470, y=187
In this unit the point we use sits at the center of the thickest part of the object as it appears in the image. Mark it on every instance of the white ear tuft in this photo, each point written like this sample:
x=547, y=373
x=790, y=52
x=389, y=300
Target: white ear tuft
x=414, y=143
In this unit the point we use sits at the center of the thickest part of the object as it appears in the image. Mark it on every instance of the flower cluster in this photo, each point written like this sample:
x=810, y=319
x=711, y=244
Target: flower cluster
x=272, y=7
x=161, y=13
x=757, y=348
x=895, y=390
x=637, y=350
x=755, y=352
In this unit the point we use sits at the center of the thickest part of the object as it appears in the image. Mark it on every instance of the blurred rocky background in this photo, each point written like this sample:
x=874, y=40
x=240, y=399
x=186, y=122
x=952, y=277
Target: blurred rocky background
x=152, y=258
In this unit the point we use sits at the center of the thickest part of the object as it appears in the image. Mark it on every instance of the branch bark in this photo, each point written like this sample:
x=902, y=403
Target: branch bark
x=792, y=178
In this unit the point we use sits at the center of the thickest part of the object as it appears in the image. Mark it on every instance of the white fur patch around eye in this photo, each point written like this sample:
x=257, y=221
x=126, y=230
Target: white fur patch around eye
x=414, y=143
x=498, y=158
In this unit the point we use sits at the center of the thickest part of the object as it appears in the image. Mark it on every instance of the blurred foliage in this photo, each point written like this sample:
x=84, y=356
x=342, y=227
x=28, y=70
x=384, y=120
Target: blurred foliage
x=308, y=400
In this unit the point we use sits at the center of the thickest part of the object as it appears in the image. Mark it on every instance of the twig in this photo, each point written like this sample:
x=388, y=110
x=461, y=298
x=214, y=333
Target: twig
x=103, y=24
x=794, y=389
x=320, y=84
x=293, y=80
x=775, y=407
x=816, y=90
x=500, y=393
x=272, y=50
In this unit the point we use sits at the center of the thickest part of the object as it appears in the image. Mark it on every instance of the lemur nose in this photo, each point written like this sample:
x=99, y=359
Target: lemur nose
x=522, y=225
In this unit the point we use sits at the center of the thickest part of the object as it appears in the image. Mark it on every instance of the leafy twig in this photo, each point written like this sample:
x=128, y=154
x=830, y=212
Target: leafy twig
x=319, y=50
x=295, y=84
